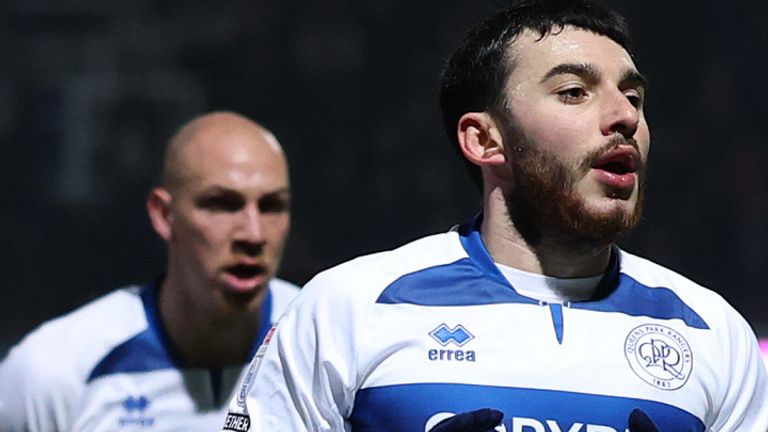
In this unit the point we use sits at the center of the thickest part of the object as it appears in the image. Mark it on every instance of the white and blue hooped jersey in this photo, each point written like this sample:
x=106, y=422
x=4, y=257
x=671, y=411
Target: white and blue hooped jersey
x=107, y=366
x=397, y=341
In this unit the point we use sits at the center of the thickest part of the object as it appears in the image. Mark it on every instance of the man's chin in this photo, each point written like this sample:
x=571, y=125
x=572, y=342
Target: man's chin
x=608, y=205
x=603, y=224
x=242, y=300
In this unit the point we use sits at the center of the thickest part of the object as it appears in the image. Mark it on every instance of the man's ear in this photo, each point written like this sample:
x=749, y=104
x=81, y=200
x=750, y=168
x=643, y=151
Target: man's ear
x=159, y=210
x=480, y=140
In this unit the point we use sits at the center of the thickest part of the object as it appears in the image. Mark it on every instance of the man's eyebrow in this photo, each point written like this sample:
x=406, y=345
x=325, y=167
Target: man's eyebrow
x=634, y=78
x=584, y=70
x=591, y=72
x=220, y=189
x=217, y=190
x=279, y=193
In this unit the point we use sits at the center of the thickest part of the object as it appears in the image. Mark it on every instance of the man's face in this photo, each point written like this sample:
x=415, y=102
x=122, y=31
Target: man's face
x=575, y=135
x=229, y=218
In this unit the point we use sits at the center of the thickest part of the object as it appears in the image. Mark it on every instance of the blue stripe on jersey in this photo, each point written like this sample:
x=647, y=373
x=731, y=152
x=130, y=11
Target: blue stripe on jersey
x=151, y=349
x=146, y=351
x=476, y=280
x=457, y=284
x=141, y=353
x=635, y=299
x=408, y=407
x=557, y=320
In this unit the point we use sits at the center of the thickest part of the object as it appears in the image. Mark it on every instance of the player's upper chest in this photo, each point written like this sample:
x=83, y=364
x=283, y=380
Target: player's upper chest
x=519, y=352
x=539, y=346
x=161, y=400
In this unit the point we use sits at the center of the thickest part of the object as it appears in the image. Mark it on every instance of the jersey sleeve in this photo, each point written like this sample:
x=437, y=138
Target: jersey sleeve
x=31, y=398
x=304, y=376
x=744, y=406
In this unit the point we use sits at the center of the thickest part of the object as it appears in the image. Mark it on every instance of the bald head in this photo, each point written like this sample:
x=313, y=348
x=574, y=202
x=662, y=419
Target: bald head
x=223, y=211
x=213, y=135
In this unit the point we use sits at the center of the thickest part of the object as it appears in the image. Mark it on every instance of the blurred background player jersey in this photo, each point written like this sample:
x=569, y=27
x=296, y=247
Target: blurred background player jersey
x=108, y=366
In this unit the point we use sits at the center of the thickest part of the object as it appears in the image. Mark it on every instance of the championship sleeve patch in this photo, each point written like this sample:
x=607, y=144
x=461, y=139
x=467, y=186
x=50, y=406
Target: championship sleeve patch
x=245, y=386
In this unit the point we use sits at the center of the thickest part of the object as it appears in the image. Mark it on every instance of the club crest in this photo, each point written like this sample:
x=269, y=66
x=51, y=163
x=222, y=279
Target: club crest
x=659, y=355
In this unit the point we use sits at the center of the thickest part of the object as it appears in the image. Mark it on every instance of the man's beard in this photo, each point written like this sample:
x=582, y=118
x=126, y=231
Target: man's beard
x=544, y=202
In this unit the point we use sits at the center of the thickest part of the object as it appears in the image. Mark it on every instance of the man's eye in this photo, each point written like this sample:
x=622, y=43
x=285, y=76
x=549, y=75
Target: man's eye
x=274, y=205
x=635, y=99
x=220, y=203
x=572, y=95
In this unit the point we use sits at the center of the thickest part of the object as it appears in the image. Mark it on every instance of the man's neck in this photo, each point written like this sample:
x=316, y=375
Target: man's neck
x=550, y=256
x=201, y=338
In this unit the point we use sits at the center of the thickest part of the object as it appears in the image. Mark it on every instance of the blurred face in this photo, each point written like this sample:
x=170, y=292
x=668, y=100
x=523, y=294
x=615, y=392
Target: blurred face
x=575, y=135
x=229, y=217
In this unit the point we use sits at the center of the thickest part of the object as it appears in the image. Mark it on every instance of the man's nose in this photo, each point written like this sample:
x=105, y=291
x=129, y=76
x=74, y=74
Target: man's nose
x=249, y=233
x=619, y=115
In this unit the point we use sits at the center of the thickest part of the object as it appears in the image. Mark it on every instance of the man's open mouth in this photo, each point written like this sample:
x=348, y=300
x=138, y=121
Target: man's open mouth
x=245, y=271
x=618, y=162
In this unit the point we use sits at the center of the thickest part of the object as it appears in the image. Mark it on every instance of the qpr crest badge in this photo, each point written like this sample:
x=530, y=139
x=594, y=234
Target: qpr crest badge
x=659, y=355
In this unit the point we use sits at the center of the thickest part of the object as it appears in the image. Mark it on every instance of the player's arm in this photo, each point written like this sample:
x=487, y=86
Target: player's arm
x=302, y=379
x=30, y=397
x=744, y=405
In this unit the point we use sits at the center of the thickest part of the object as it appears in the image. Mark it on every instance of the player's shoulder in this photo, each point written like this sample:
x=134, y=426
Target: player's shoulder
x=652, y=274
x=703, y=300
x=72, y=343
x=281, y=287
x=283, y=292
x=370, y=274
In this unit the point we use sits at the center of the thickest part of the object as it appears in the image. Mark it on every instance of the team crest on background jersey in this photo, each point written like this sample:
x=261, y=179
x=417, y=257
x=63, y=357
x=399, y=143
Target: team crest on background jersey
x=659, y=355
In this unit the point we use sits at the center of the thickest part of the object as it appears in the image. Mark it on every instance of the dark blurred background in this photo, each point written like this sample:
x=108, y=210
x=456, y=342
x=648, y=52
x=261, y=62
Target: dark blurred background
x=91, y=90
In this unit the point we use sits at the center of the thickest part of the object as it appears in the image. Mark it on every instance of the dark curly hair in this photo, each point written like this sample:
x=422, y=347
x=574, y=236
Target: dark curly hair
x=474, y=76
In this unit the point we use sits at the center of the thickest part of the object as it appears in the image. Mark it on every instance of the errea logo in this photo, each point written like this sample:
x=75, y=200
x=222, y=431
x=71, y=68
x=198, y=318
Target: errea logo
x=135, y=408
x=445, y=336
x=135, y=403
x=457, y=335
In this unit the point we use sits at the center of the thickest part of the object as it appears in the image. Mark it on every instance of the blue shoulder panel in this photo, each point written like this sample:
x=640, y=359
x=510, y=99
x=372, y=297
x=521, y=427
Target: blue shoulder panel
x=632, y=298
x=151, y=349
x=456, y=284
x=475, y=280
x=469, y=281
x=147, y=351
x=141, y=353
